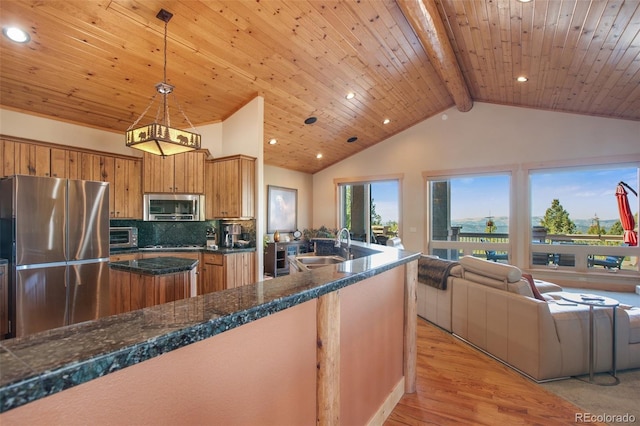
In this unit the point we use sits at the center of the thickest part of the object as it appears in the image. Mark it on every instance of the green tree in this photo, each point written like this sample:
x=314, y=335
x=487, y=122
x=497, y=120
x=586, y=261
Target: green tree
x=616, y=229
x=596, y=229
x=556, y=220
x=376, y=219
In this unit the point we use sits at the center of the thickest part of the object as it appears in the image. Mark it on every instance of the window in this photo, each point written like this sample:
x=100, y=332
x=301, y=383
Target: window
x=470, y=215
x=575, y=218
x=370, y=210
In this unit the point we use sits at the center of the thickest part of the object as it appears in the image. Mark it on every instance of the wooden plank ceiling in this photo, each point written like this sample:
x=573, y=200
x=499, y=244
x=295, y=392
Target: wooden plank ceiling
x=95, y=62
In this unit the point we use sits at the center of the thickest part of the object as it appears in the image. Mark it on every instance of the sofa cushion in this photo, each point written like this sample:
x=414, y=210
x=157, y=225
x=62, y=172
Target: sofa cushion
x=497, y=271
x=522, y=288
x=484, y=280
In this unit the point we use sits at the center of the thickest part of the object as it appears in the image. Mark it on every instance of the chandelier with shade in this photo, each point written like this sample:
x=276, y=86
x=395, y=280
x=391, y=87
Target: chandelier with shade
x=159, y=137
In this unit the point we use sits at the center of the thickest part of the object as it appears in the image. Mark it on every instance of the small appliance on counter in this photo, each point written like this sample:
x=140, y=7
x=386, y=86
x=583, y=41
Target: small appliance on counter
x=211, y=238
x=230, y=232
x=123, y=237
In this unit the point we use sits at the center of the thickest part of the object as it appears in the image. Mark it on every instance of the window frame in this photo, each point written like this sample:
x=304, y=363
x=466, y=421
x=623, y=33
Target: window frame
x=468, y=248
x=581, y=253
x=367, y=180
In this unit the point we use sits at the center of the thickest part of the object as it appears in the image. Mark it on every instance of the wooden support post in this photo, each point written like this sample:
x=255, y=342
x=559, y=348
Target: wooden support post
x=328, y=360
x=410, y=326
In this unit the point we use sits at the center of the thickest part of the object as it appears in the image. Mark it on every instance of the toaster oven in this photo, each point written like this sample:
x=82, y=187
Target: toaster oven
x=123, y=237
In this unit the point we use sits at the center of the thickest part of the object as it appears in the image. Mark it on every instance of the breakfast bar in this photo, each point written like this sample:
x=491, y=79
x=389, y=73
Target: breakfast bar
x=334, y=342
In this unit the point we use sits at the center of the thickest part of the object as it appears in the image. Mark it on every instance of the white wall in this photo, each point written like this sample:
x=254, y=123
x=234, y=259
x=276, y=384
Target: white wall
x=487, y=136
x=46, y=130
x=243, y=133
x=303, y=182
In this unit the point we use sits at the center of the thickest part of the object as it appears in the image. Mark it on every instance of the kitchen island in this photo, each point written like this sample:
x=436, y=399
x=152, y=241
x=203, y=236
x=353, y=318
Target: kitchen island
x=142, y=283
x=335, y=342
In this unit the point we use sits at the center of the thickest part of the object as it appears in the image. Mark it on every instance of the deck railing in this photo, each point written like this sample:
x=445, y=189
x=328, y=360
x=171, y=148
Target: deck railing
x=579, y=251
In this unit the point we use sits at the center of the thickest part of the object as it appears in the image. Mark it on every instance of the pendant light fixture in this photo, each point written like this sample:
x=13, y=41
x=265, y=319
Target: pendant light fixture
x=159, y=137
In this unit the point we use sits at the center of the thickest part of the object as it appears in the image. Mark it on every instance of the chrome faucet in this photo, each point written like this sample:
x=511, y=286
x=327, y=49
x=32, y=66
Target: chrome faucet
x=339, y=238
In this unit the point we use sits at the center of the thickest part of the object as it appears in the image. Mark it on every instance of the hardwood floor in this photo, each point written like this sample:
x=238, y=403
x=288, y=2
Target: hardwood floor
x=458, y=384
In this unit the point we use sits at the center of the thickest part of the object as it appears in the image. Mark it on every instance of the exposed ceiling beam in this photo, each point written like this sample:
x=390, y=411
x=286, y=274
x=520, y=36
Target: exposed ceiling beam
x=423, y=16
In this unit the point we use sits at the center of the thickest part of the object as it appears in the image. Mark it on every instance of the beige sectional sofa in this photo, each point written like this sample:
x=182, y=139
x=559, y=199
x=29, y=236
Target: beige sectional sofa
x=492, y=307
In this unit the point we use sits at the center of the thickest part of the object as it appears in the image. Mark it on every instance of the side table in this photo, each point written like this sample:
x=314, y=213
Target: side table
x=592, y=301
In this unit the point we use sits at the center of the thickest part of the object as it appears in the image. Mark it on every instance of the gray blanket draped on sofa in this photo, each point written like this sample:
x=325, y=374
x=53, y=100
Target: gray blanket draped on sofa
x=433, y=271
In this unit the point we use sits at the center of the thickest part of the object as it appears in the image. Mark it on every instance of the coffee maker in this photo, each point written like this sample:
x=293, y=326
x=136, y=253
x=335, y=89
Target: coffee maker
x=230, y=234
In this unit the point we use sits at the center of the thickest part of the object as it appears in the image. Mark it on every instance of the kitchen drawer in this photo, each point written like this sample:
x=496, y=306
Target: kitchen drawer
x=213, y=258
x=124, y=256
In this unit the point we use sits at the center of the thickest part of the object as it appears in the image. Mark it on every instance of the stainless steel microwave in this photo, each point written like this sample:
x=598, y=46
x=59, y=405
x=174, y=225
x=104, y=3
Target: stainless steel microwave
x=173, y=207
x=123, y=236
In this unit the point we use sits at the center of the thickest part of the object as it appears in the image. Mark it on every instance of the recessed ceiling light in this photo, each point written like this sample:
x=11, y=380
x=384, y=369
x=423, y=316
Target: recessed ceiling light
x=273, y=141
x=16, y=34
x=350, y=95
x=524, y=1
x=310, y=120
x=352, y=139
x=386, y=121
x=522, y=79
x=318, y=156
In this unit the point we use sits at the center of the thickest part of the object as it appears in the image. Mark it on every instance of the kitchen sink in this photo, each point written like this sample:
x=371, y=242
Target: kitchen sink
x=319, y=260
x=310, y=261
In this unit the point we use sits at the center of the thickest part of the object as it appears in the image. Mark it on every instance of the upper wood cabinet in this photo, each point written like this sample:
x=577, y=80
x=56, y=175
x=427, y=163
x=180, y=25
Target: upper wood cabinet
x=127, y=189
x=124, y=177
x=20, y=158
x=123, y=174
x=23, y=158
x=181, y=173
x=230, y=187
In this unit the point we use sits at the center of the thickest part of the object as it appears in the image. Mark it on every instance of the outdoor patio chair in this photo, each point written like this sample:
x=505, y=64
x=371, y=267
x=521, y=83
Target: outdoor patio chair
x=492, y=255
x=610, y=262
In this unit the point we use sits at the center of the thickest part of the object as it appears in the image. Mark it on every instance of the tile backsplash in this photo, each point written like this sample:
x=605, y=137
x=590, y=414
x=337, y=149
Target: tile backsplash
x=176, y=233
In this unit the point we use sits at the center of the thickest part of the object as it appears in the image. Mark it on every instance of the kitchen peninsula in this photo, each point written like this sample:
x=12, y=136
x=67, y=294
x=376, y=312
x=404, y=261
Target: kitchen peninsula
x=337, y=342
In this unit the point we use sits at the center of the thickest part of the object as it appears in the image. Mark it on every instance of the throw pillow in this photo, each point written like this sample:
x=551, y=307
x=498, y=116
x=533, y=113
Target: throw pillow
x=534, y=289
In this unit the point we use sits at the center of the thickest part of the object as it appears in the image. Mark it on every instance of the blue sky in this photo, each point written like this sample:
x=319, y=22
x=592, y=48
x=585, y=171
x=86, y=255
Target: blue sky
x=582, y=193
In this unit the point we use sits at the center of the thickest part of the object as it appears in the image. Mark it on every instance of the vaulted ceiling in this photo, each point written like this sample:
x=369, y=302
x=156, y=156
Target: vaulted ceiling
x=96, y=62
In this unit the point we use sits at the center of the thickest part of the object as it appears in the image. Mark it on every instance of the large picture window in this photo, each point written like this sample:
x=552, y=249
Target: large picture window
x=576, y=218
x=470, y=215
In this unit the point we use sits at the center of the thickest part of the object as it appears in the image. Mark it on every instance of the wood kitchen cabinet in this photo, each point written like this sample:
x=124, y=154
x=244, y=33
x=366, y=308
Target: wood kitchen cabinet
x=223, y=271
x=240, y=269
x=127, y=189
x=4, y=302
x=65, y=163
x=212, y=276
x=124, y=177
x=33, y=159
x=22, y=158
x=180, y=173
x=130, y=291
x=230, y=187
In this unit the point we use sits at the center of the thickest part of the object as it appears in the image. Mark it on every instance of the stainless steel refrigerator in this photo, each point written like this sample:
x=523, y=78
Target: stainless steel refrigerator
x=55, y=234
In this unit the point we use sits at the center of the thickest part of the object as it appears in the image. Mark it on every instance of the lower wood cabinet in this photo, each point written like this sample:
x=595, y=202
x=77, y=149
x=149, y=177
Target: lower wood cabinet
x=131, y=291
x=223, y=271
x=212, y=276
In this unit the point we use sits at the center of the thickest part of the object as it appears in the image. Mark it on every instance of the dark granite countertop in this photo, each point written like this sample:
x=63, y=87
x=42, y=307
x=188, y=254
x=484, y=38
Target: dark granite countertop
x=220, y=250
x=155, y=265
x=3, y=261
x=45, y=363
